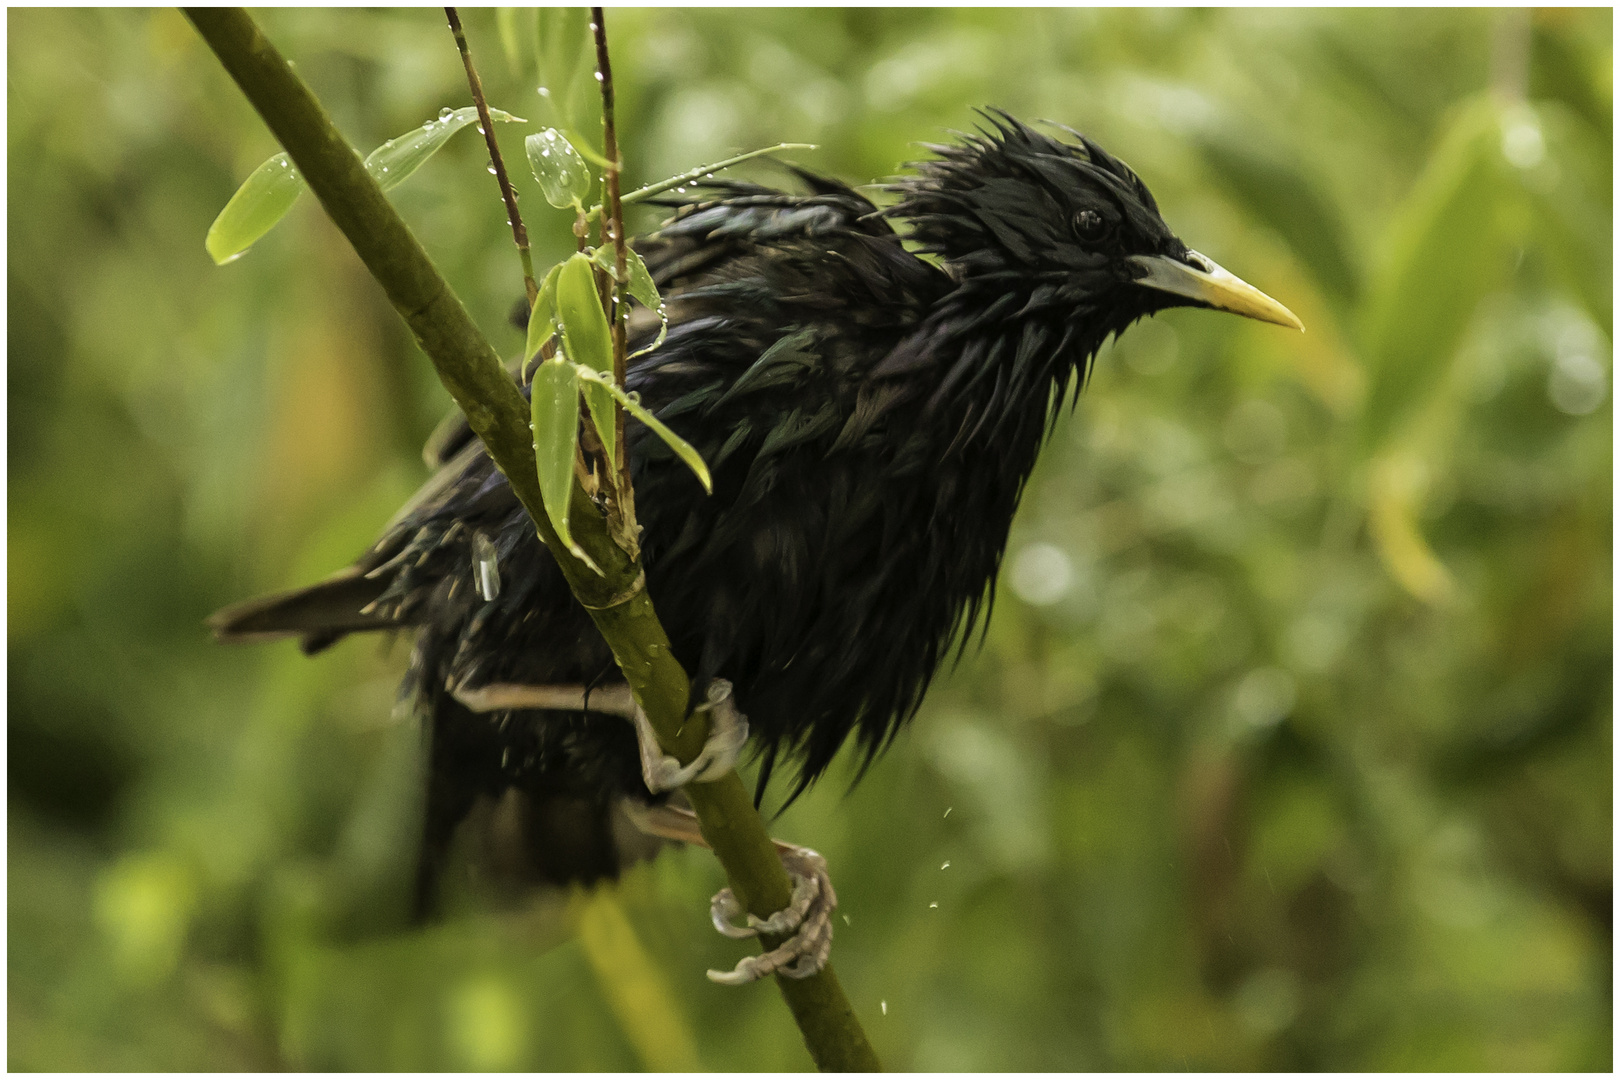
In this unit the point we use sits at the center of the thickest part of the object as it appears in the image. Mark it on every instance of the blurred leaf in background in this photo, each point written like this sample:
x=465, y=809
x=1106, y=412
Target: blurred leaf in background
x=1290, y=742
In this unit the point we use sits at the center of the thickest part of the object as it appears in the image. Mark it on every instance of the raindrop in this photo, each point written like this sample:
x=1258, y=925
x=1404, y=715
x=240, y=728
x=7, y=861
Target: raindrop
x=480, y=129
x=946, y=865
x=445, y=113
x=486, y=567
x=947, y=813
x=490, y=169
x=846, y=920
x=598, y=76
x=883, y=1006
x=935, y=904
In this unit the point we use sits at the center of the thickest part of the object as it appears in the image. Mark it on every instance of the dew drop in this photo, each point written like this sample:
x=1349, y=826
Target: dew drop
x=486, y=566
x=446, y=113
x=935, y=904
x=883, y=1006
x=948, y=810
x=946, y=865
x=490, y=169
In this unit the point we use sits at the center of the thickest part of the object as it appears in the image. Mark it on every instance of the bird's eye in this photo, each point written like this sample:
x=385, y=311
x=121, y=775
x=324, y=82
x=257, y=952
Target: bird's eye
x=1089, y=224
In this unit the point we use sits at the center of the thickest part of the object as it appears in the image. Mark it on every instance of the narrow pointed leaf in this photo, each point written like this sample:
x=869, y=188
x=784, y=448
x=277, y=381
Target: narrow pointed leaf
x=583, y=145
x=398, y=158
x=585, y=329
x=543, y=316
x=263, y=199
x=642, y=287
x=564, y=177
x=1448, y=247
x=683, y=449
x=554, y=413
x=641, y=284
x=515, y=25
x=564, y=55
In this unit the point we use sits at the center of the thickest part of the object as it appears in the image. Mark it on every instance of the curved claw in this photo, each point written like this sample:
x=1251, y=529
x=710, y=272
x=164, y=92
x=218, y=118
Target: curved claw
x=809, y=913
x=728, y=734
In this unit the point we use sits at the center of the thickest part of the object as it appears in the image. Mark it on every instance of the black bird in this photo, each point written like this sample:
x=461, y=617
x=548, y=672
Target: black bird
x=870, y=413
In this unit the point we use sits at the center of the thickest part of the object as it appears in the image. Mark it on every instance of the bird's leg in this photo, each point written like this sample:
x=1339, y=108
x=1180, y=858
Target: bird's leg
x=808, y=916
x=728, y=728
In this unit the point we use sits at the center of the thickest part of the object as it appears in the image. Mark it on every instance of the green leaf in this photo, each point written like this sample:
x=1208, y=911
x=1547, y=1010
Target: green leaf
x=584, y=146
x=565, y=56
x=642, y=286
x=589, y=340
x=564, y=177
x=634, y=407
x=1449, y=245
x=543, y=316
x=703, y=171
x=395, y=160
x=554, y=416
x=515, y=26
x=263, y=199
x=1266, y=178
x=1570, y=194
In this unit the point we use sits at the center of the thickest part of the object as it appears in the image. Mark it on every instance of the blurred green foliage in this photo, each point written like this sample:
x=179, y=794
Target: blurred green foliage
x=1290, y=742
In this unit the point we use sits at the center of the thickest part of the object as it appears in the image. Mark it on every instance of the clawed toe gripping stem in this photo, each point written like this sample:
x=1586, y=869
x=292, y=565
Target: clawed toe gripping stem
x=809, y=913
x=728, y=734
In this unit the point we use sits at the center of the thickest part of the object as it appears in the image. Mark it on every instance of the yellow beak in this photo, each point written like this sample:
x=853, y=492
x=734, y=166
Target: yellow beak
x=1203, y=280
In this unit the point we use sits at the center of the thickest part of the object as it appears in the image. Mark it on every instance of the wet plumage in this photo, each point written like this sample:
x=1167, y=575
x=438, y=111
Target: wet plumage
x=870, y=417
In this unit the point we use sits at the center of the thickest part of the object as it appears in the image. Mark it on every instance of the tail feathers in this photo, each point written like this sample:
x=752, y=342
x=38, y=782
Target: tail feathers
x=318, y=615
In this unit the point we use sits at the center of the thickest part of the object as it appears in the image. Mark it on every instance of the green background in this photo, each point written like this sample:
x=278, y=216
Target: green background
x=1290, y=742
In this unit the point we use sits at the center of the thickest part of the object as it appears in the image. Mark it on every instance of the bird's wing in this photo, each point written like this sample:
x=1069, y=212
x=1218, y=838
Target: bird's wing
x=764, y=289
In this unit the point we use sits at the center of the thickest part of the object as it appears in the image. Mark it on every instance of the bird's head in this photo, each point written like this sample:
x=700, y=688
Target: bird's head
x=1066, y=227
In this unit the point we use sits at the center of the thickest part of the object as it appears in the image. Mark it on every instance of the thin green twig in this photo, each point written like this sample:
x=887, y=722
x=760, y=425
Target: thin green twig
x=520, y=235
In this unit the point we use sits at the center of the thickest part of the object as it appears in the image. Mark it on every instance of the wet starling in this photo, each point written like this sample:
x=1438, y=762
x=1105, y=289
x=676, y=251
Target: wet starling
x=870, y=410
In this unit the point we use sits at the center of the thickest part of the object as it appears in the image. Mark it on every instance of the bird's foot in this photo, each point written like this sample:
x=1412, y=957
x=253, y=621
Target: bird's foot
x=808, y=917
x=728, y=734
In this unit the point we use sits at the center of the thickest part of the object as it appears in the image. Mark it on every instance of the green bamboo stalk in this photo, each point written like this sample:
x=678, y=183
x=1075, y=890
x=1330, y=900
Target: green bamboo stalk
x=471, y=370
